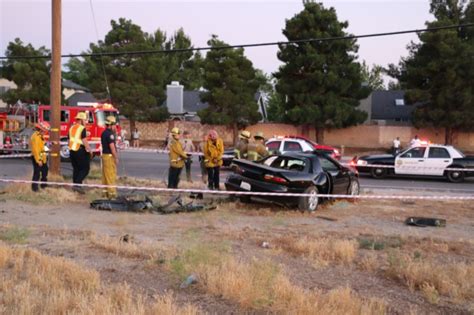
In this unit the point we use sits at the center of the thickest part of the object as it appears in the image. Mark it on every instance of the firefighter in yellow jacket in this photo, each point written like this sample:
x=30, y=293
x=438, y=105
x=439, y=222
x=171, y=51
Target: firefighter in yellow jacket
x=213, y=151
x=39, y=156
x=241, y=147
x=177, y=158
x=110, y=158
x=257, y=149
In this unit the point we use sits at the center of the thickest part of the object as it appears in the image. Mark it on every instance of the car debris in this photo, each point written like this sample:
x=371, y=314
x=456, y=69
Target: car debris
x=265, y=245
x=130, y=204
x=424, y=222
x=191, y=279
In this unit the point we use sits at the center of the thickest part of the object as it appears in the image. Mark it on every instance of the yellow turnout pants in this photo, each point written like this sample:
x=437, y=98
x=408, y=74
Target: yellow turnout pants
x=109, y=175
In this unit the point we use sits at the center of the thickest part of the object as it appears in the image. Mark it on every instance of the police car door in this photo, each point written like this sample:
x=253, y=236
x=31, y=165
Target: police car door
x=411, y=162
x=438, y=160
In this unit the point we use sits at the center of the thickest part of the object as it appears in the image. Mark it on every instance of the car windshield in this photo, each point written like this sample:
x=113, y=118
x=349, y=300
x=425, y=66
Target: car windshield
x=102, y=115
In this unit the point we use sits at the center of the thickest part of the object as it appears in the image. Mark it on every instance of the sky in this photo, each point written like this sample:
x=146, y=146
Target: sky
x=235, y=22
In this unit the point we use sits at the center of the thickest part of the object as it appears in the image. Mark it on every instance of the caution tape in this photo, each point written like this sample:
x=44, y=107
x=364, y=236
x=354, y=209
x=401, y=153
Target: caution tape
x=12, y=156
x=240, y=193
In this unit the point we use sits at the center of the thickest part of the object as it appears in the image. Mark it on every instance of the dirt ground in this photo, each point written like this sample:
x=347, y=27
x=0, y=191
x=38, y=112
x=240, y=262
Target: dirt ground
x=379, y=248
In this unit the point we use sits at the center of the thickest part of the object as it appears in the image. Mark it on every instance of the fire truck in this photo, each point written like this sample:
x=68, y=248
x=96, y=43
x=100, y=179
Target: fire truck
x=8, y=126
x=96, y=114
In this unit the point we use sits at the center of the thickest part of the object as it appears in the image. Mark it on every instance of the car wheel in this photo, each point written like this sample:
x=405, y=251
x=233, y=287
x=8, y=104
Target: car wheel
x=309, y=203
x=354, y=188
x=64, y=153
x=455, y=176
x=378, y=172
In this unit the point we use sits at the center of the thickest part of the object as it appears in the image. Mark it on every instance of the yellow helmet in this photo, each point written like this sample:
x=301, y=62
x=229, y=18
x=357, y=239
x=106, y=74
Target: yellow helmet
x=259, y=135
x=245, y=134
x=110, y=120
x=81, y=116
x=175, y=131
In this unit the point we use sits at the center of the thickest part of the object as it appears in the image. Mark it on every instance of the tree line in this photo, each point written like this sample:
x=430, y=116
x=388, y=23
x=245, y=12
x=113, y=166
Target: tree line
x=318, y=84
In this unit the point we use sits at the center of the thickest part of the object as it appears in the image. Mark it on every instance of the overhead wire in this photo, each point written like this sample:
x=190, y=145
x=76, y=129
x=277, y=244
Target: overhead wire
x=299, y=41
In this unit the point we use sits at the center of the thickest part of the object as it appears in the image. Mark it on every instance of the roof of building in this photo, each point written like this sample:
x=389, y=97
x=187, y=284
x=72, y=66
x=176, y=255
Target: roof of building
x=81, y=97
x=68, y=84
x=384, y=106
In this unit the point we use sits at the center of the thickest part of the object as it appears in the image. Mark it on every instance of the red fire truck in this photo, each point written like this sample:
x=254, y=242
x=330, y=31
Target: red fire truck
x=95, y=125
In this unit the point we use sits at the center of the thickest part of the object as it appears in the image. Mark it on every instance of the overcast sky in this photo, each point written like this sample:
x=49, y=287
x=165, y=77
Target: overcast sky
x=236, y=22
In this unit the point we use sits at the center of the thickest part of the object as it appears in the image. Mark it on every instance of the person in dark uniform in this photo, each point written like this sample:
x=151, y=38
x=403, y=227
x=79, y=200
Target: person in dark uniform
x=80, y=151
x=109, y=157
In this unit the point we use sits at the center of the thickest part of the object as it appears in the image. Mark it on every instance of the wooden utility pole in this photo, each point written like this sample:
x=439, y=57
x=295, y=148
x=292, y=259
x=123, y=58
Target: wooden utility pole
x=55, y=92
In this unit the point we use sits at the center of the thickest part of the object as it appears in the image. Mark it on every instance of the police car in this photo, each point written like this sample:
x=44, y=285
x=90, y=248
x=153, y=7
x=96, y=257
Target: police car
x=425, y=159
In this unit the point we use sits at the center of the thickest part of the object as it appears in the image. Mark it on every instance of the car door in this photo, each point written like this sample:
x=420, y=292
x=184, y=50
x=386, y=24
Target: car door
x=339, y=175
x=411, y=162
x=438, y=160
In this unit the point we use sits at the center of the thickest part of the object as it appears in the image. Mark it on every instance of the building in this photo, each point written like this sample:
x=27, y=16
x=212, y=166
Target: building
x=185, y=105
x=387, y=108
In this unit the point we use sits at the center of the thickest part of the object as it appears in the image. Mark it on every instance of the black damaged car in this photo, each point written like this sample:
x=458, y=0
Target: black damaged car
x=310, y=173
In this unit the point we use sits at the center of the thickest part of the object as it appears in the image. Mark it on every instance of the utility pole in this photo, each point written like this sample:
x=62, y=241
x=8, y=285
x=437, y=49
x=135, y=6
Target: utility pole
x=55, y=92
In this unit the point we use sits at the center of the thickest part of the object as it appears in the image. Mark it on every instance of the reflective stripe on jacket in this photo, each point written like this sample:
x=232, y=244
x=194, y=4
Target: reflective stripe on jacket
x=37, y=148
x=75, y=139
x=213, y=152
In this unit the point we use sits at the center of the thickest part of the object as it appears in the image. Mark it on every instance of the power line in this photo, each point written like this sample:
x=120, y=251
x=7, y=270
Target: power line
x=299, y=41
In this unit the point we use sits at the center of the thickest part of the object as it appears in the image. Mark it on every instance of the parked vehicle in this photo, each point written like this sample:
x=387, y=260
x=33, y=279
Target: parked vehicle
x=96, y=113
x=296, y=172
x=299, y=144
x=423, y=160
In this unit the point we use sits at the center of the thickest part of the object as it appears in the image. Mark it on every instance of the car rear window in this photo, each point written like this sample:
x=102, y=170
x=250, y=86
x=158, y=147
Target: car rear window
x=286, y=163
x=438, y=153
x=273, y=145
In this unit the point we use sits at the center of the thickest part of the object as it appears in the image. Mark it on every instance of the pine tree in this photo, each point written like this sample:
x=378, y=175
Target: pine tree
x=439, y=71
x=321, y=82
x=231, y=84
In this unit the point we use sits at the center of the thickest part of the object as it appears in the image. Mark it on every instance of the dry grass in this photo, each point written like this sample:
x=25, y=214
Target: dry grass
x=368, y=262
x=32, y=283
x=455, y=280
x=130, y=249
x=51, y=196
x=262, y=285
x=321, y=251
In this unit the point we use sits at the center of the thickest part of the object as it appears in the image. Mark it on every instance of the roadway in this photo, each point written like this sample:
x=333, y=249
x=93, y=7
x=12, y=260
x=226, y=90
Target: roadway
x=154, y=166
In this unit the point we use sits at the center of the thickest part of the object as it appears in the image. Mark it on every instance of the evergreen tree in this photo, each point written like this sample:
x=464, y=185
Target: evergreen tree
x=30, y=75
x=321, y=81
x=439, y=71
x=231, y=84
x=373, y=77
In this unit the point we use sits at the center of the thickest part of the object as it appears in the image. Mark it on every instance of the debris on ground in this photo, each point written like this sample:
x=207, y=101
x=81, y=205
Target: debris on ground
x=424, y=222
x=326, y=218
x=131, y=204
x=265, y=245
x=191, y=279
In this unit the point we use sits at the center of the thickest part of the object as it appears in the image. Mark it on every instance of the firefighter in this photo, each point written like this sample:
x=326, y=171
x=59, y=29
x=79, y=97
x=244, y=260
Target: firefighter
x=177, y=157
x=80, y=152
x=241, y=148
x=213, y=151
x=39, y=155
x=257, y=149
x=188, y=147
x=110, y=158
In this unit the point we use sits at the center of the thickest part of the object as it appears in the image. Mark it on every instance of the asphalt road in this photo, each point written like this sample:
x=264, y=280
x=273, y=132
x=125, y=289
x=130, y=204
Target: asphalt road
x=154, y=166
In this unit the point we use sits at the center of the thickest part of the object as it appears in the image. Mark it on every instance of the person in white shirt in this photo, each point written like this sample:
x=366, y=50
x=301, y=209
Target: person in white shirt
x=188, y=146
x=396, y=146
x=136, y=138
x=415, y=142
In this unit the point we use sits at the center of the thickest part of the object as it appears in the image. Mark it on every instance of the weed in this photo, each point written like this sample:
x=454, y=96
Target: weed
x=430, y=293
x=380, y=244
x=455, y=280
x=34, y=283
x=320, y=250
x=17, y=235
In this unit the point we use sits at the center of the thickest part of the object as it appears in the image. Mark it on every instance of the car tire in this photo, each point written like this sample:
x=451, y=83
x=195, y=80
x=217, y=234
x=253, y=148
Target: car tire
x=309, y=203
x=64, y=153
x=378, y=172
x=455, y=176
x=354, y=188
